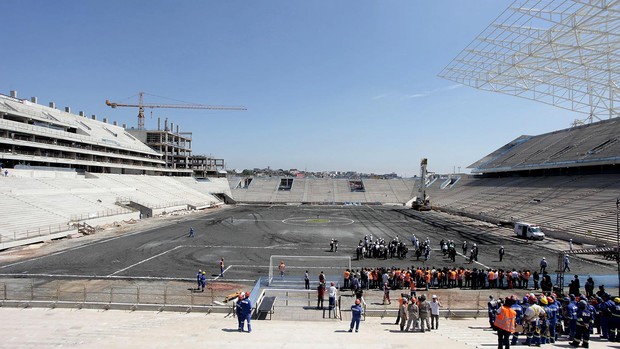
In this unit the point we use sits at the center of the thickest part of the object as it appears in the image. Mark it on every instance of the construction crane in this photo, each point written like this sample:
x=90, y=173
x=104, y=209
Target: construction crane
x=141, y=105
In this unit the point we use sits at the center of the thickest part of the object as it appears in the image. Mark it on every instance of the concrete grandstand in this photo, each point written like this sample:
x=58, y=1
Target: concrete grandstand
x=585, y=148
x=321, y=190
x=51, y=204
x=67, y=172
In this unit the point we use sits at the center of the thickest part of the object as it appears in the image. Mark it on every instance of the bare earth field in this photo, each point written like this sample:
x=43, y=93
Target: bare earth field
x=158, y=254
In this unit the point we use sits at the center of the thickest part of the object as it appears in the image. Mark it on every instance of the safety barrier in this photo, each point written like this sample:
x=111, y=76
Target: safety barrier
x=180, y=296
x=98, y=294
x=43, y=231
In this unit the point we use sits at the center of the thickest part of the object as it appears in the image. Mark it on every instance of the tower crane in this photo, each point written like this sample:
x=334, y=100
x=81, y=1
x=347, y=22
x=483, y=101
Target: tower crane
x=141, y=105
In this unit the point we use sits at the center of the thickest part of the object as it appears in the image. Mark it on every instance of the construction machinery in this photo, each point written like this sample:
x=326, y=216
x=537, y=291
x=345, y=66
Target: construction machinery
x=421, y=202
x=141, y=105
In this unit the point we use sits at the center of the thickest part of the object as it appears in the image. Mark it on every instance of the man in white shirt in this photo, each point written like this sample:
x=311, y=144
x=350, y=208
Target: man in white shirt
x=332, y=296
x=543, y=265
x=435, y=305
x=332, y=300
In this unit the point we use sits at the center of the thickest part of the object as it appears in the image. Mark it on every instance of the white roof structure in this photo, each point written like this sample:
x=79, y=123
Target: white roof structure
x=564, y=53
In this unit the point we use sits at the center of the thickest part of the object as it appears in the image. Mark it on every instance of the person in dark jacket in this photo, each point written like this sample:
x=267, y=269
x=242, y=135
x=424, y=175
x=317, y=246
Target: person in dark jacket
x=585, y=320
x=198, y=278
x=589, y=286
x=320, y=292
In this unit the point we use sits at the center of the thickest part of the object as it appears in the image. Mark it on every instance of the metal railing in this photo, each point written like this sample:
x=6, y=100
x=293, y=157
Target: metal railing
x=462, y=303
x=99, y=214
x=61, y=227
x=121, y=295
x=182, y=295
x=41, y=231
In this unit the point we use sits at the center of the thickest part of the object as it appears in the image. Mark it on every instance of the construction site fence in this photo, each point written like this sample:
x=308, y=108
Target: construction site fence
x=41, y=231
x=178, y=296
x=183, y=296
x=99, y=214
x=466, y=303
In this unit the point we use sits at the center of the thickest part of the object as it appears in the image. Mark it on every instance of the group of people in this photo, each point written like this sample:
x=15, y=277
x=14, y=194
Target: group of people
x=414, y=312
x=430, y=277
x=543, y=317
x=243, y=310
x=357, y=309
x=201, y=277
x=332, y=290
x=448, y=248
x=201, y=280
x=333, y=245
x=380, y=248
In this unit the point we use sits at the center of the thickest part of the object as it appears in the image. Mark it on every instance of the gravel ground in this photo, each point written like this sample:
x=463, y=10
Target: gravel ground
x=156, y=254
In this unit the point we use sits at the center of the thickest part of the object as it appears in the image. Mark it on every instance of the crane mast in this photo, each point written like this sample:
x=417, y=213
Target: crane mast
x=421, y=202
x=141, y=105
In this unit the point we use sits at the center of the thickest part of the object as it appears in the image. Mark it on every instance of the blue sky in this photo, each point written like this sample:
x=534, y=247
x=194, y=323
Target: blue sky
x=329, y=85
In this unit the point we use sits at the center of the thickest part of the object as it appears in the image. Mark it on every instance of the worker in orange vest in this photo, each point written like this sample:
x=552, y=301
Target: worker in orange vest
x=505, y=323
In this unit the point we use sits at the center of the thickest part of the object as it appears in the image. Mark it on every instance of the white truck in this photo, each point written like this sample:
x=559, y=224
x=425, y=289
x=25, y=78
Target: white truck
x=529, y=231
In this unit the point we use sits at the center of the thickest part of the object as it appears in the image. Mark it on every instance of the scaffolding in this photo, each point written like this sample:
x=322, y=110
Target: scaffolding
x=559, y=52
x=607, y=253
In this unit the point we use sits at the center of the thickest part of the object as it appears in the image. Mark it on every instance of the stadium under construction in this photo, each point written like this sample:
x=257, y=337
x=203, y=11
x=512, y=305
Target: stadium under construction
x=68, y=175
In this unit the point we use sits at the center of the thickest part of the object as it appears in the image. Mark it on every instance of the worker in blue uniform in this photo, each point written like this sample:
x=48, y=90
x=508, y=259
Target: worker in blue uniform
x=246, y=311
x=614, y=322
x=552, y=311
x=585, y=320
x=356, y=316
x=518, y=320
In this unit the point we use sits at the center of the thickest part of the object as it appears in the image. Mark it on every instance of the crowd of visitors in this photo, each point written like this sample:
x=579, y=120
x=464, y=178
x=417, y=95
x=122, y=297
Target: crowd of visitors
x=541, y=316
x=544, y=317
x=537, y=318
x=381, y=249
x=447, y=277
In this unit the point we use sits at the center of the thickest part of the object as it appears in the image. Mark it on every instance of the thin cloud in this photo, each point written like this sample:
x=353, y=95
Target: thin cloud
x=418, y=95
x=380, y=96
x=428, y=93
